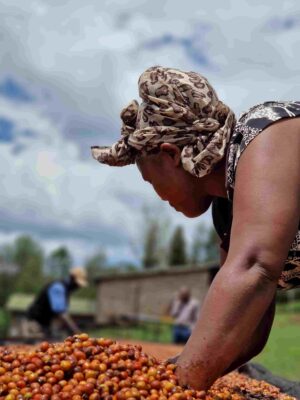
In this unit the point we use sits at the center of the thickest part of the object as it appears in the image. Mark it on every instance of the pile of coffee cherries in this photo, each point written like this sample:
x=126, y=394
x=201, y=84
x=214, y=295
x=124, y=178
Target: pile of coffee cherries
x=94, y=369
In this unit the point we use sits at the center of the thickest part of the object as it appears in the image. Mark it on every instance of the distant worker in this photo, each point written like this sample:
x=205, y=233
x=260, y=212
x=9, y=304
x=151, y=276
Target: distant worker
x=184, y=310
x=52, y=304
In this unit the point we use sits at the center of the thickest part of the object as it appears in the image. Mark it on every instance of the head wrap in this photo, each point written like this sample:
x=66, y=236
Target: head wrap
x=180, y=108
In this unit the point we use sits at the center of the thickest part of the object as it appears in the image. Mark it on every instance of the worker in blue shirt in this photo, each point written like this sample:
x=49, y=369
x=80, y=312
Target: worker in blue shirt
x=53, y=303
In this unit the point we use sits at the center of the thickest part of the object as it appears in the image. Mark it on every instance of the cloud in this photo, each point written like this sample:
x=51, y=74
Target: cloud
x=286, y=23
x=68, y=68
x=41, y=194
x=59, y=198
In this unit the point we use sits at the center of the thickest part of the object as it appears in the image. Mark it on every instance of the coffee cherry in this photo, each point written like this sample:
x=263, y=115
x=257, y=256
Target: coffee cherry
x=101, y=369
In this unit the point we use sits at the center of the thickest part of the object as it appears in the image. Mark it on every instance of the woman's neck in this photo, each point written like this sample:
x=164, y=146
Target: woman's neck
x=216, y=181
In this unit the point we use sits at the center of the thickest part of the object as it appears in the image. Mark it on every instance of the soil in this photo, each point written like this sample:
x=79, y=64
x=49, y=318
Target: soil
x=158, y=350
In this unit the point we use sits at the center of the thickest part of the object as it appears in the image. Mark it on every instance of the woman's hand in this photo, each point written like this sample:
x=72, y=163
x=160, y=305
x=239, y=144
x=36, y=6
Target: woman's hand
x=188, y=372
x=173, y=360
x=192, y=374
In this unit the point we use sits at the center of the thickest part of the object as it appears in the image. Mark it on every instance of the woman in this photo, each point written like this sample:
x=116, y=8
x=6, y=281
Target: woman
x=188, y=146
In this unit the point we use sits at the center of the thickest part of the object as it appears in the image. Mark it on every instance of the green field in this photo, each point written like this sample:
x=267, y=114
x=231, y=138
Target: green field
x=281, y=354
x=161, y=333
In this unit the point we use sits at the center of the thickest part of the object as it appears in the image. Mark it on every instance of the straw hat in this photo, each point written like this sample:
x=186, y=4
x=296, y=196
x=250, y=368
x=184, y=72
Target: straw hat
x=80, y=276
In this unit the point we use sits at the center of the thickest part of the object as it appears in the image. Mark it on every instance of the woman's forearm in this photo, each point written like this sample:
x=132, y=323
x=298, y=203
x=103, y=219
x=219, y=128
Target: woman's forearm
x=257, y=341
x=234, y=307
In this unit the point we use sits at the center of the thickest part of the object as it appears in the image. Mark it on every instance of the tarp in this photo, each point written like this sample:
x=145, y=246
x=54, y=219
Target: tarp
x=257, y=371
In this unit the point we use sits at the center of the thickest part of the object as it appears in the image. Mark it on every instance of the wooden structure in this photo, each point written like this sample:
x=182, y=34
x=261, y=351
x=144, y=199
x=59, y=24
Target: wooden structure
x=147, y=293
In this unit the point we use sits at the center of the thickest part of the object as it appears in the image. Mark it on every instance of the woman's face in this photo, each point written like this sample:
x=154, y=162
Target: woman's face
x=172, y=183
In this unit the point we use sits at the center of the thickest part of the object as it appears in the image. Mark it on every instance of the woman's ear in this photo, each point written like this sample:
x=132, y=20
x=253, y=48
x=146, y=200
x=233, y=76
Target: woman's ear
x=173, y=151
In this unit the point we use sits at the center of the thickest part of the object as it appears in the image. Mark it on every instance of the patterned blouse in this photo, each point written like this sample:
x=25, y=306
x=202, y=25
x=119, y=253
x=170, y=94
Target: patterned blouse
x=249, y=125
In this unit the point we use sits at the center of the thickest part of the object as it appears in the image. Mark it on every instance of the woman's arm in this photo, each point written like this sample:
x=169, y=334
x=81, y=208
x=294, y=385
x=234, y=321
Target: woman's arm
x=257, y=341
x=261, y=334
x=223, y=256
x=266, y=214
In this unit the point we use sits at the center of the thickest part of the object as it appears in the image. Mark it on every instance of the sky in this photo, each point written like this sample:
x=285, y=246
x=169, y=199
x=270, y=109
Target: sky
x=67, y=70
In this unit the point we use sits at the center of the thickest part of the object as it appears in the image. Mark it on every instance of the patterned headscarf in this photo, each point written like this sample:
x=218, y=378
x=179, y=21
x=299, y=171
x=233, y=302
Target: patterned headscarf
x=180, y=108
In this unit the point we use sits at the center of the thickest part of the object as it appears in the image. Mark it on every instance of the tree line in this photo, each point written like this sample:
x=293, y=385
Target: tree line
x=159, y=248
x=175, y=252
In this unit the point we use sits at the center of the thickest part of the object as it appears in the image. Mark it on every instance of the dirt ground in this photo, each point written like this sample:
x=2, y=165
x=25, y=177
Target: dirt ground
x=157, y=350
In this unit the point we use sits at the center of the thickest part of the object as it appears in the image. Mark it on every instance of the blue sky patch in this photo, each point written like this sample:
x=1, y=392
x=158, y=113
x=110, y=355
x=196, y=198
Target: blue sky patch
x=6, y=130
x=190, y=44
x=12, y=90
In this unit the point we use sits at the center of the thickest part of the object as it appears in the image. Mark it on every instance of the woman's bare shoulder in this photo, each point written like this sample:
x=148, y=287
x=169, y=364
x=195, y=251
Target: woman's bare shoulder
x=282, y=136
x=285, y=124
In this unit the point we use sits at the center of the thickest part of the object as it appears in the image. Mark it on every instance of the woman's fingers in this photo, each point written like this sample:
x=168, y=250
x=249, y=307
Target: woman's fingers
x=173, y=360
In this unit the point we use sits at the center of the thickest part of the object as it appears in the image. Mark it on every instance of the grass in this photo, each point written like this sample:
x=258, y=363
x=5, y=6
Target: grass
x=161, y=333
x=4, y=322
x=282, y=352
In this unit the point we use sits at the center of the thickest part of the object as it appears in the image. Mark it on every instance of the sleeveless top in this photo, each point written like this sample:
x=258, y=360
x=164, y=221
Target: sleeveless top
x=249, y=125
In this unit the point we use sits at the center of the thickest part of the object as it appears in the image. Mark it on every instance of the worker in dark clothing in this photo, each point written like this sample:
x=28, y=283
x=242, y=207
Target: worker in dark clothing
x=52, y=304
